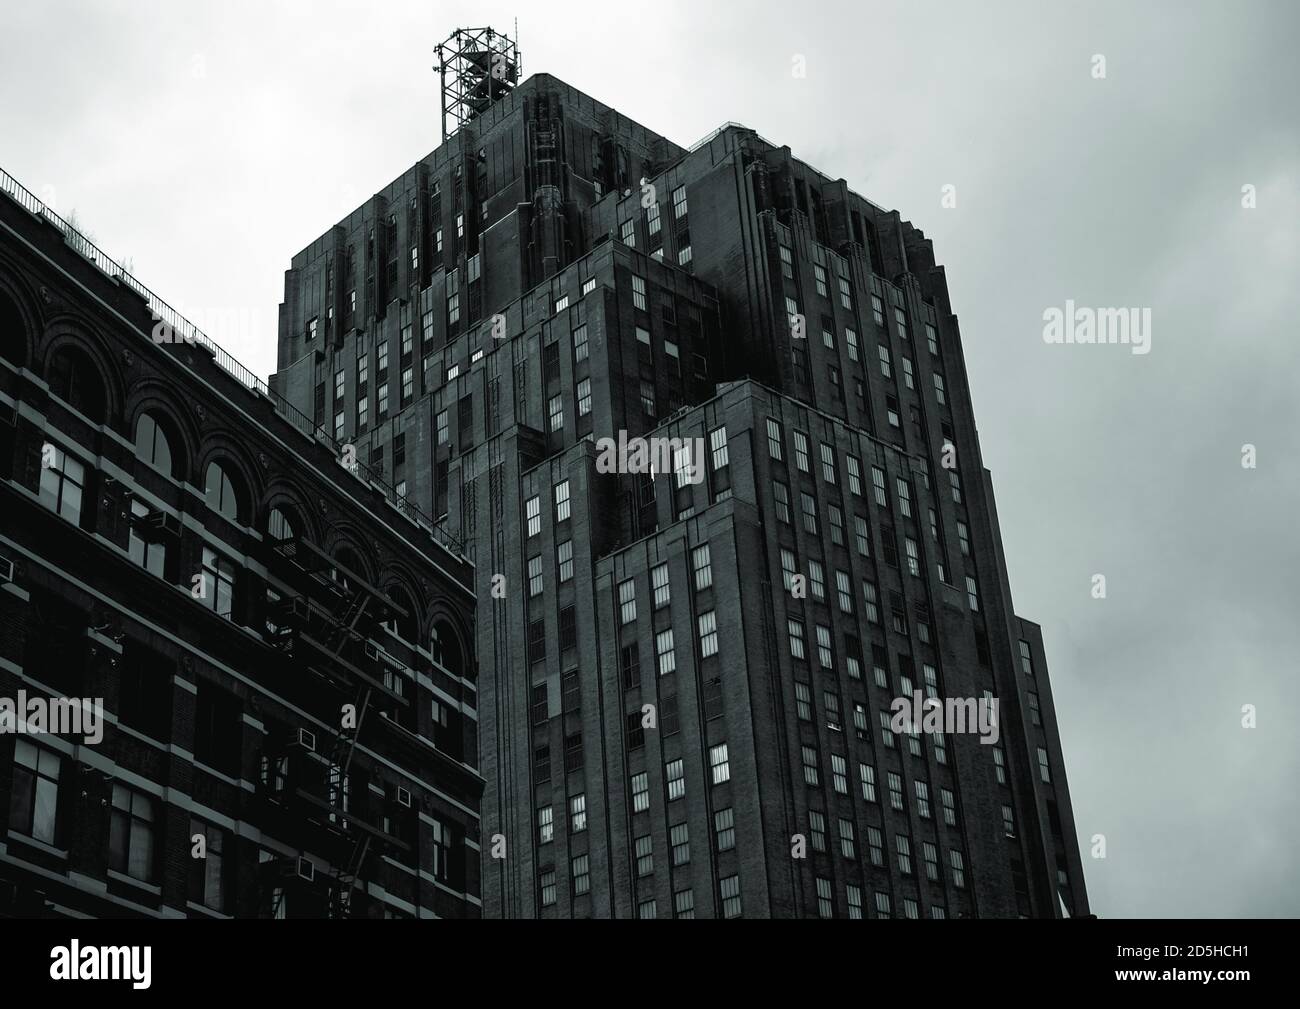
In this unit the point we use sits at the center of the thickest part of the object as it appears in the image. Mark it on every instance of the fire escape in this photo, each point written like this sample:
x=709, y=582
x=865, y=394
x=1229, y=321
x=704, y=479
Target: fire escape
x=323, y=628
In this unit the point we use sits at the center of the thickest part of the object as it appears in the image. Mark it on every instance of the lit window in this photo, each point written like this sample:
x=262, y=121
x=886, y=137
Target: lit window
x=730, y=890
x=627, y=601
x=719, y=764
x=640, y=792
x=659, y=583
x=545, y=825
x=638, y=292
x=708, y=626
x=555, y=410
x=679, y=202
x=533, y=510
x=774, y=439
x=700, y=562
x=584, y=397
x=724, y=827
x=564, y=559
x=679, y=837
x=562, y=501
x=675, y=773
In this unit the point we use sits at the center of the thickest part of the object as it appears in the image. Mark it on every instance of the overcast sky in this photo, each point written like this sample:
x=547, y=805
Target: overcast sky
x=208, y=142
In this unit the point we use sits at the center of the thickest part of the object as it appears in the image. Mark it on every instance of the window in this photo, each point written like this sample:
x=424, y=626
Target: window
x=819, y=277
x=895, y=791
x=719, y=763
x=33, y=803
x=909, y=379
x=932, y=338
x=1044, y=767
x=808, y=505
x=939, y=393
x=803, y=700
x=627, y=601
x=854, y=896
x=796, y=634
x=584, y=397
x=861, y=535
x=844, y=591
x=817, y=829
x=638, y=292
x=1035, y=714
x=702, y=567
x=150, y=556
x=627, y=232
x=903, y=846
x=875, y=846
x=837, y=524
x=131, y=834
x=801, y=451
x=954, y=479
x=675, y=774
x=664, y=650
x=878, y=486
x=684, y=904
x=825, y=907
x=562, y=501
x=659, y=585
x=839, y=774
x=564, y=559
x=630, y=663
x=811, y=775
x=547, y=880
x=545, y=825
x=555, y=413
x=218, y=584
x=900, y=319
x=578, y=813
x=949, y=807
x=718, y=445
x=724, y=828
x=581, y=873
x=205, y=874
x=883, y=353
x=870, y=601
x=1026, y=659
x=825, y=656
x=679, y=203
x=708, y=627
x=730, y=890
x=913, y=557
x=1008, y=821
x=848, y=842
x=774, y=439
x=867, y=778
x=151, y=444
x=930, y=855
x=828, y=463
x=533, y=511
x=781, y=495
x=972, y=594
x=640, y=792
x=535, y=576
x=922, y=798
x=787, y=262
x=580, y=344
x=679, y=836
x=958, y=869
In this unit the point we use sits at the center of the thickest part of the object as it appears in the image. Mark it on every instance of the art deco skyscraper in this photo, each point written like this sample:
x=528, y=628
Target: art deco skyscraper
x=666, y=728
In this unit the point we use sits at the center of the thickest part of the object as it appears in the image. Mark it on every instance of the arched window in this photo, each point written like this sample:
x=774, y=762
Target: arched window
x=13, y=346
x=279, y=526
x=74, y=379
x=407, y=626
x=220, y=492
x=346, y=558
x=151, y=444
x=445, y=648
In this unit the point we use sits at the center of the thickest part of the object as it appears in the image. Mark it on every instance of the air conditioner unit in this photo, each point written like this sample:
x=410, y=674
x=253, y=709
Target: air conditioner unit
x=403, y=797
x=164, y=525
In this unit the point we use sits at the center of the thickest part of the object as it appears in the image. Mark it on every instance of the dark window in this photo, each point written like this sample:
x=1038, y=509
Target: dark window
x=635, y=733
x=630, y=663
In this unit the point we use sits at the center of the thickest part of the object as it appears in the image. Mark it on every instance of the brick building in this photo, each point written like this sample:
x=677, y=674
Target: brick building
x=283, y=649
x=668, y=728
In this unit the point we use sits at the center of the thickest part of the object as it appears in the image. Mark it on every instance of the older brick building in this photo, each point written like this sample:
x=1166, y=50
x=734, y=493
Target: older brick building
x=667, y=728
x=282, y=648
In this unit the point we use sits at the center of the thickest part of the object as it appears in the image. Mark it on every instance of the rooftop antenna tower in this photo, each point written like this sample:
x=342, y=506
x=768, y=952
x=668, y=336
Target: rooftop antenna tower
x=477, y=67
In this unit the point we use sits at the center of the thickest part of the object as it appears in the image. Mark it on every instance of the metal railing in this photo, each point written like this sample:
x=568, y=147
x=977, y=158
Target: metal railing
x=184, y=330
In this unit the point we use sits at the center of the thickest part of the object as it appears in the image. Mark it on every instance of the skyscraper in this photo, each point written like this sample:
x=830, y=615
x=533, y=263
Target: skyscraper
x=701, y=419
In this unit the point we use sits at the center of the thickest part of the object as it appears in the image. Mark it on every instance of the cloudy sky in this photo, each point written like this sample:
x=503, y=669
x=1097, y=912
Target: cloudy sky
x=208, y=142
